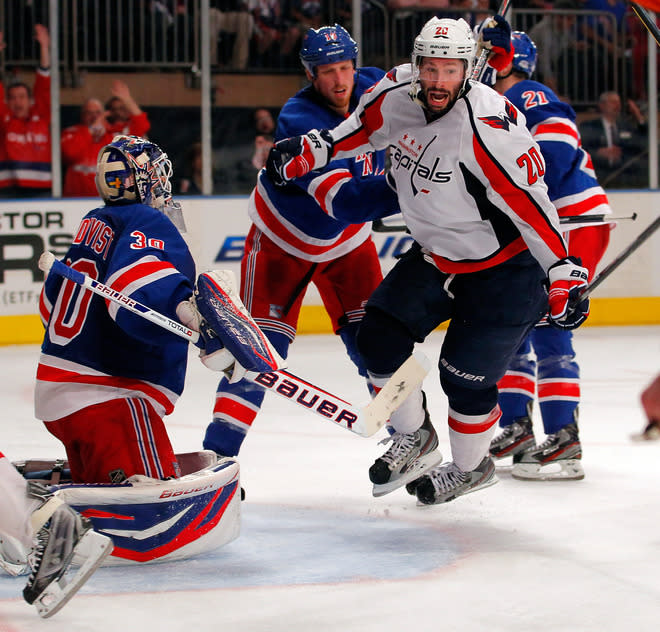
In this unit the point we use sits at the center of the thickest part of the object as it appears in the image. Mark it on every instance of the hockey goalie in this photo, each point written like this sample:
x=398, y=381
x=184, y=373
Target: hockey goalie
x=107, y=377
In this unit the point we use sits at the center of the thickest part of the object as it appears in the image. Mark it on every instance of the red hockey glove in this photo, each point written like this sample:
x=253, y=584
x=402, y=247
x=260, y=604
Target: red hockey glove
x=567, y=280
x=294, y=157
x=495, y=36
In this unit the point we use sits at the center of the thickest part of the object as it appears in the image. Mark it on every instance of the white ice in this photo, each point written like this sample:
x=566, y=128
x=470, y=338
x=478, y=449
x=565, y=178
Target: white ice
x=318, y=553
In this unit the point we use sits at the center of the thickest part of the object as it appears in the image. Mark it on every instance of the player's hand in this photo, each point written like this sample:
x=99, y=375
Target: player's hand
x=567, y=280
x=495, y=36
x=294, y=157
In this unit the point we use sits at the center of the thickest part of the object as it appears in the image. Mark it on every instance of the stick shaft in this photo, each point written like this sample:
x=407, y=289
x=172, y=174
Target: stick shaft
x=363, y=422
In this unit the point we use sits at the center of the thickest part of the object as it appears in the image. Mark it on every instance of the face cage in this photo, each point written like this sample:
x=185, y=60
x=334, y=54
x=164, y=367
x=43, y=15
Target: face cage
x=153, y=180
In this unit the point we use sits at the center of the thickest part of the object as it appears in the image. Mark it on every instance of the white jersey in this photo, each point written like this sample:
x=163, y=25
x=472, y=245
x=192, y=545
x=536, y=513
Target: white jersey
x=470, y=184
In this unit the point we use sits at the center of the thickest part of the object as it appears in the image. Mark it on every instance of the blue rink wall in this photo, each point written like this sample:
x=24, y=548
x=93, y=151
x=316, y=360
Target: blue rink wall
x=217, y=227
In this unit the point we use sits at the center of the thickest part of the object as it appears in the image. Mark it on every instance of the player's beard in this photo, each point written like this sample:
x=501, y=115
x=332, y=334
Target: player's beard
x=439, y=101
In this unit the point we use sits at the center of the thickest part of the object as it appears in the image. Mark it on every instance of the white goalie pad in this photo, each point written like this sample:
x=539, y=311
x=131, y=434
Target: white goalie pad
x=150, y=520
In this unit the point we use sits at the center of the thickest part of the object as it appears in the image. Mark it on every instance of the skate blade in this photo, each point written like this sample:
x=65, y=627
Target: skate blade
x=95, y=548
x=417, y=469
x=491, y=481
x=568, y=470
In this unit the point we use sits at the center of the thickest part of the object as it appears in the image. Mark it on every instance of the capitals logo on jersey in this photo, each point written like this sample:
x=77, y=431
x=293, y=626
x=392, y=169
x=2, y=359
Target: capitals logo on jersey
x=408, y=154
x=502, y=121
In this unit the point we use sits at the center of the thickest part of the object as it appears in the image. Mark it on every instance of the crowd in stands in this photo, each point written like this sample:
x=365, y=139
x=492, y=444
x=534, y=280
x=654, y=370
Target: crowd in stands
x=247, y=30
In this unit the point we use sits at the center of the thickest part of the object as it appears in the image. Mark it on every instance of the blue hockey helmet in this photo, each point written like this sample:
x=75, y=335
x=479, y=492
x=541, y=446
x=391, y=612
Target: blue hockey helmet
x=524, y=53
x=327, y=45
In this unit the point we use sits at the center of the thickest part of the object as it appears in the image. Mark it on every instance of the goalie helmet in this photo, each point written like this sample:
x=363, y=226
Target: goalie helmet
x=445, y=38
x=327, y=45
x=133, y=169
x=524, y=53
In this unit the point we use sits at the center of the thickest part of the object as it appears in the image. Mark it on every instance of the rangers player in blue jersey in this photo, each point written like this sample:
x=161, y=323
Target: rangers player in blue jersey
x=314, y=230
x=551, y=371
x=106, y=376
x=469, y=179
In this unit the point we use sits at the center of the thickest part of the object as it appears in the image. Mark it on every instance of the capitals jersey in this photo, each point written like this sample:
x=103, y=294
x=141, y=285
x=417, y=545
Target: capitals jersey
x=470, y=183
x=25, y=152
x=327, y=213
x=95, y=351
x=570, y=176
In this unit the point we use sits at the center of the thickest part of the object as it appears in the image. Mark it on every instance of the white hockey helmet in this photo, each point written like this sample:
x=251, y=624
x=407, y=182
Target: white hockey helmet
x=445, y=38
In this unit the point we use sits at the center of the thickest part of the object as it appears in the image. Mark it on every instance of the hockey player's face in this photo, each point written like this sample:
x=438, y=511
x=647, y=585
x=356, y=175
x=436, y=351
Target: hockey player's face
x=441, y=81
x=334, y=82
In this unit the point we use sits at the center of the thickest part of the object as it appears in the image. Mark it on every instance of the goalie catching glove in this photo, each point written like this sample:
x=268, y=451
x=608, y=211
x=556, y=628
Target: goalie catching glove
x=495, y=36
x=567, y=279
x=230, y=340
x=294, y=157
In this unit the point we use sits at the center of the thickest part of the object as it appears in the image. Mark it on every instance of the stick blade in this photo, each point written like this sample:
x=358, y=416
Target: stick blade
x=405, y=379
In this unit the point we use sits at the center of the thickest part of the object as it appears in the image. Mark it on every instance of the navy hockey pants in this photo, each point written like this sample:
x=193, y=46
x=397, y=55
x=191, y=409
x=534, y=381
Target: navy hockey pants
x=490, y=313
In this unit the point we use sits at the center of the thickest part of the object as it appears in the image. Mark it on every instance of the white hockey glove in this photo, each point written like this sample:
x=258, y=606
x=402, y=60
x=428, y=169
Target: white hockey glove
x=294, y=157
x=567, y=279
x=494, y=35
x=212, y=352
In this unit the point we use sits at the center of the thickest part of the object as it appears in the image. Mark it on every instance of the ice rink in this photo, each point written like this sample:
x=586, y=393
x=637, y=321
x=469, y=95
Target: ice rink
x=318, y=553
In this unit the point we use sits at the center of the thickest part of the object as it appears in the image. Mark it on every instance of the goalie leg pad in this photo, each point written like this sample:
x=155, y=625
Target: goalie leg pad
x=224, y=312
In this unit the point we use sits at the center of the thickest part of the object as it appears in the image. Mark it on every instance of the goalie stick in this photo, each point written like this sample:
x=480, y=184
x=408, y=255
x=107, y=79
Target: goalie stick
x=364, y=421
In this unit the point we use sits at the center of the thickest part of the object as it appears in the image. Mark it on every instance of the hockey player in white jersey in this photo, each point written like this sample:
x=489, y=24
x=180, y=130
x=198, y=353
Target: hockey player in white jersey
x=469, y=179
x=41, y=534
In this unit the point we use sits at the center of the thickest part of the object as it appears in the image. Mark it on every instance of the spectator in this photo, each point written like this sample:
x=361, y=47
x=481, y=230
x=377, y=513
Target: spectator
x=25, y=169
x=616, y=143
x=263, y=141
x=124, y=114
x=81, y=143
x=268, y=26
x=191, y=183
x=231, y=16
x=560, y=51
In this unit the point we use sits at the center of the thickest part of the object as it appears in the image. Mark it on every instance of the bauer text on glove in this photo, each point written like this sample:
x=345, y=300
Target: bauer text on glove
x=294, y=157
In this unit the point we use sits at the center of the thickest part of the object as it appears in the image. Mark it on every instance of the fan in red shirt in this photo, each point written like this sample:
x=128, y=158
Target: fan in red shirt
x=81, y=143
x=25, y=153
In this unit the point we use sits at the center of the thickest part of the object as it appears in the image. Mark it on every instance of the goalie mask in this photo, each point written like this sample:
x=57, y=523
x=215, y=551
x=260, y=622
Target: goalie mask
x=133, y=169
x=443, y=38
x=327, y=45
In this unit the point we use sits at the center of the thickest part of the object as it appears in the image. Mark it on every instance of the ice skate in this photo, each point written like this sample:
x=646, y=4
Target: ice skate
x=446, y=482
x=557, y=458
x=408, y=457
x=514, y=439
x=651, y=432
x=65, y=534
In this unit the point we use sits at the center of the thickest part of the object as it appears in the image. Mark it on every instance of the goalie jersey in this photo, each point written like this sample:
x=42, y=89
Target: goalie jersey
x=95, y=351
x=327, y=213
x=570, y=176
x=470, y=183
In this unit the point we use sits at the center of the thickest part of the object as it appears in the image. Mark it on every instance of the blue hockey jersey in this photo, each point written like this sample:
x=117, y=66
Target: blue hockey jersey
x=95, y=351
x=327, y=213
x=569, y=173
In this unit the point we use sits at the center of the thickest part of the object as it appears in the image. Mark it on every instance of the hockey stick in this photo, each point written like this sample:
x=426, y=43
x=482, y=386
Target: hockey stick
x=645, y=18
x=617, y=261
x=480, y=66
x=364, y=421
x=379, y=226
